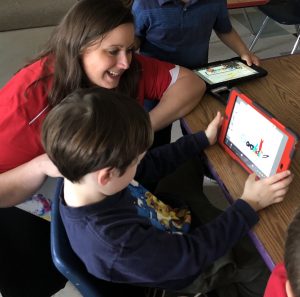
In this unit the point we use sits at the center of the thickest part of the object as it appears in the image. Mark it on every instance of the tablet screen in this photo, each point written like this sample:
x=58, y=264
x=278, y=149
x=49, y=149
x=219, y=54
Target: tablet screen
x=254, y=139
x=227, y=71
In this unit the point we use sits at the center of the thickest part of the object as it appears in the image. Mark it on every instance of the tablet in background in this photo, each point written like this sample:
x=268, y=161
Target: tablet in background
x=254, y=138
x=220, y=76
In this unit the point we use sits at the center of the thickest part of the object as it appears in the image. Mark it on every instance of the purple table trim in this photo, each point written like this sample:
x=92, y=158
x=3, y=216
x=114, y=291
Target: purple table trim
x=263, y=252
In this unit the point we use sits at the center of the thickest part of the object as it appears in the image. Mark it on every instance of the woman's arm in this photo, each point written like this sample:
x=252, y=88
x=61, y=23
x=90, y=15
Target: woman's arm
x=178, y=100
x=18, y=184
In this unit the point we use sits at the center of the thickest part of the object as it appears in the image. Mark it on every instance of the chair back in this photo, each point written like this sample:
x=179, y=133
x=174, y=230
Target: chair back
x=69, y=264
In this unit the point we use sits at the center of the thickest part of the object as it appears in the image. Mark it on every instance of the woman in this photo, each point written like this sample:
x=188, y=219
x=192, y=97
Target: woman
x=93, y=45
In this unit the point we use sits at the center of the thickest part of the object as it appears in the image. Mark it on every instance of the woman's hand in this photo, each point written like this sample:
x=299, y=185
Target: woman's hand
x=19, y=183
x=47, y=166
x=213, y=128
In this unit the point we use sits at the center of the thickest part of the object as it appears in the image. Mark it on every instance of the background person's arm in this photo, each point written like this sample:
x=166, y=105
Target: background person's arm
x=178, y=100
x=18, y=184
x=234, y=42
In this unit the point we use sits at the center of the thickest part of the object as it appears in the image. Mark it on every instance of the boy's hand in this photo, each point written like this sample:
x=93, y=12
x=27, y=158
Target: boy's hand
x=212, y=129
x=250, y=59
x=264, y=192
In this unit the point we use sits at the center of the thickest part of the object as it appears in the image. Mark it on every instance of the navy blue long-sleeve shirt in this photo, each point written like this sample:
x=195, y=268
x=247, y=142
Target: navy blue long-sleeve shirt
x=125, y=237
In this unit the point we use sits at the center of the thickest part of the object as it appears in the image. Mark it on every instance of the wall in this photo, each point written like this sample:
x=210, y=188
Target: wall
x=20, y=14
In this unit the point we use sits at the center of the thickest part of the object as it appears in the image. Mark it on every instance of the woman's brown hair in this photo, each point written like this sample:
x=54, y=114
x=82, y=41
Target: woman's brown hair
x=86, y=22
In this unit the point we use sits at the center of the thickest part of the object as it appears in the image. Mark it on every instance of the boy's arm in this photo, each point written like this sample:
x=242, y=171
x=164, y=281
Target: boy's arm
x=163, y=160
x=234, y=42
x=176, y=259
x=184, y=256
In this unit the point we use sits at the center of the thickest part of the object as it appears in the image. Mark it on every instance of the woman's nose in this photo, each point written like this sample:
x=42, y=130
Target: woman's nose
x=124, y=60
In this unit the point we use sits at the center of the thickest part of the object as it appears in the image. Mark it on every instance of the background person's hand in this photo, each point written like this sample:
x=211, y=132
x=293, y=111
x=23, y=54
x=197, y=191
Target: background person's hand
x=213, y=128
x=250, y=59
x=264, y=192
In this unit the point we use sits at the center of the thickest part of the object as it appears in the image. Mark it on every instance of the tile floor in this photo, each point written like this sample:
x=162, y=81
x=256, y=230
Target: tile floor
x=277, y=40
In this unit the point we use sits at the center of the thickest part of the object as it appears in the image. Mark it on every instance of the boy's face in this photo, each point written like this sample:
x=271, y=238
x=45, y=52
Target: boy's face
x=118, y=183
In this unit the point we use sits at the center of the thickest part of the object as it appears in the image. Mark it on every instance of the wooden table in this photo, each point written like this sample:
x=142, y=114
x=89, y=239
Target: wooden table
x=278, y=92
x=245, y=3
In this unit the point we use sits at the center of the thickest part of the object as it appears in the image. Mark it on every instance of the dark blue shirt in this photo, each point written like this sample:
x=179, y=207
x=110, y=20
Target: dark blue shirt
x=132, y=237
x=178, y=33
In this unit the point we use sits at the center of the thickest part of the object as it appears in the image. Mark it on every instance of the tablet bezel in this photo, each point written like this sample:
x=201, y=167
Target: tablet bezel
x=230, y=83
x=292, y=138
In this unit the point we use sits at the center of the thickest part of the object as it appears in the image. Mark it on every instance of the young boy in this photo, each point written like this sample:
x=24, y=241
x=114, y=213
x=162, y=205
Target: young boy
x=285, y=278
x=179, y=31
x=98, y=140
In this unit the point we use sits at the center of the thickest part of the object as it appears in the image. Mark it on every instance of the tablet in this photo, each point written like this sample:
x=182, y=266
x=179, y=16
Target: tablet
x=228, y=73
x=254, y=138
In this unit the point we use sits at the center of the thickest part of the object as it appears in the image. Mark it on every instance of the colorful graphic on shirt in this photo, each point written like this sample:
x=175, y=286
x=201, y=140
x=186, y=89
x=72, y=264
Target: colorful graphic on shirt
x=161, y=215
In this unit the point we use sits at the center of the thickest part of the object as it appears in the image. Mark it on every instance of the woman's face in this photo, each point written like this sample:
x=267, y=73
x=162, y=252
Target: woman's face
x=105, y=61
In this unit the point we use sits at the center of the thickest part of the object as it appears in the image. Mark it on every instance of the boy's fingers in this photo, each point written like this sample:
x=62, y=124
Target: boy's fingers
x=252, y=176
x=217, y=117
x=278, y=199
x=281, y=192
x=216, y=121
x=282, y=184
x=277, y=177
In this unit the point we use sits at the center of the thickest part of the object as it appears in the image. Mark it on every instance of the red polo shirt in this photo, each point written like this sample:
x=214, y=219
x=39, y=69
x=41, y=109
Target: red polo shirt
x=24, y=105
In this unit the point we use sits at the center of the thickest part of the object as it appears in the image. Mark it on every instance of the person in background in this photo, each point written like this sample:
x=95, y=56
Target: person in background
x=285, y=278
x=92, y=46
x=179, y=31
x=122, y=232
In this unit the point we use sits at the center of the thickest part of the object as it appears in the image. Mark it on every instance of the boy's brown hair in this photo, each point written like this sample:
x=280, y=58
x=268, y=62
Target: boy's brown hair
x=93, y=129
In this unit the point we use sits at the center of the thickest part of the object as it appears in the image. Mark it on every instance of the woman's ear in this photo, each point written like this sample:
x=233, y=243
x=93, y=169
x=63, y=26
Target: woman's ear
x=104, y=176
x=288, y=289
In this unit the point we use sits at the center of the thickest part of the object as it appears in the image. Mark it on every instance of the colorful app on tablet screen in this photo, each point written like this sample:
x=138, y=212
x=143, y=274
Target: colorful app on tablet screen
x=255, y=138
x=228, y=73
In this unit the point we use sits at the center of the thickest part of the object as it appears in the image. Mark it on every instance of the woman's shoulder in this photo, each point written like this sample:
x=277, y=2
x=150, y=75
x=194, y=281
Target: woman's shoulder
x=155, y=77
x=26, y=77
x=28, y=89
x=150, y=62
x=23, y=107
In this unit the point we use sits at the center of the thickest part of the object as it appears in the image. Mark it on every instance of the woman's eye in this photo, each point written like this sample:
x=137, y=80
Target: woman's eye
x=130, y=50
x=113, y=52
